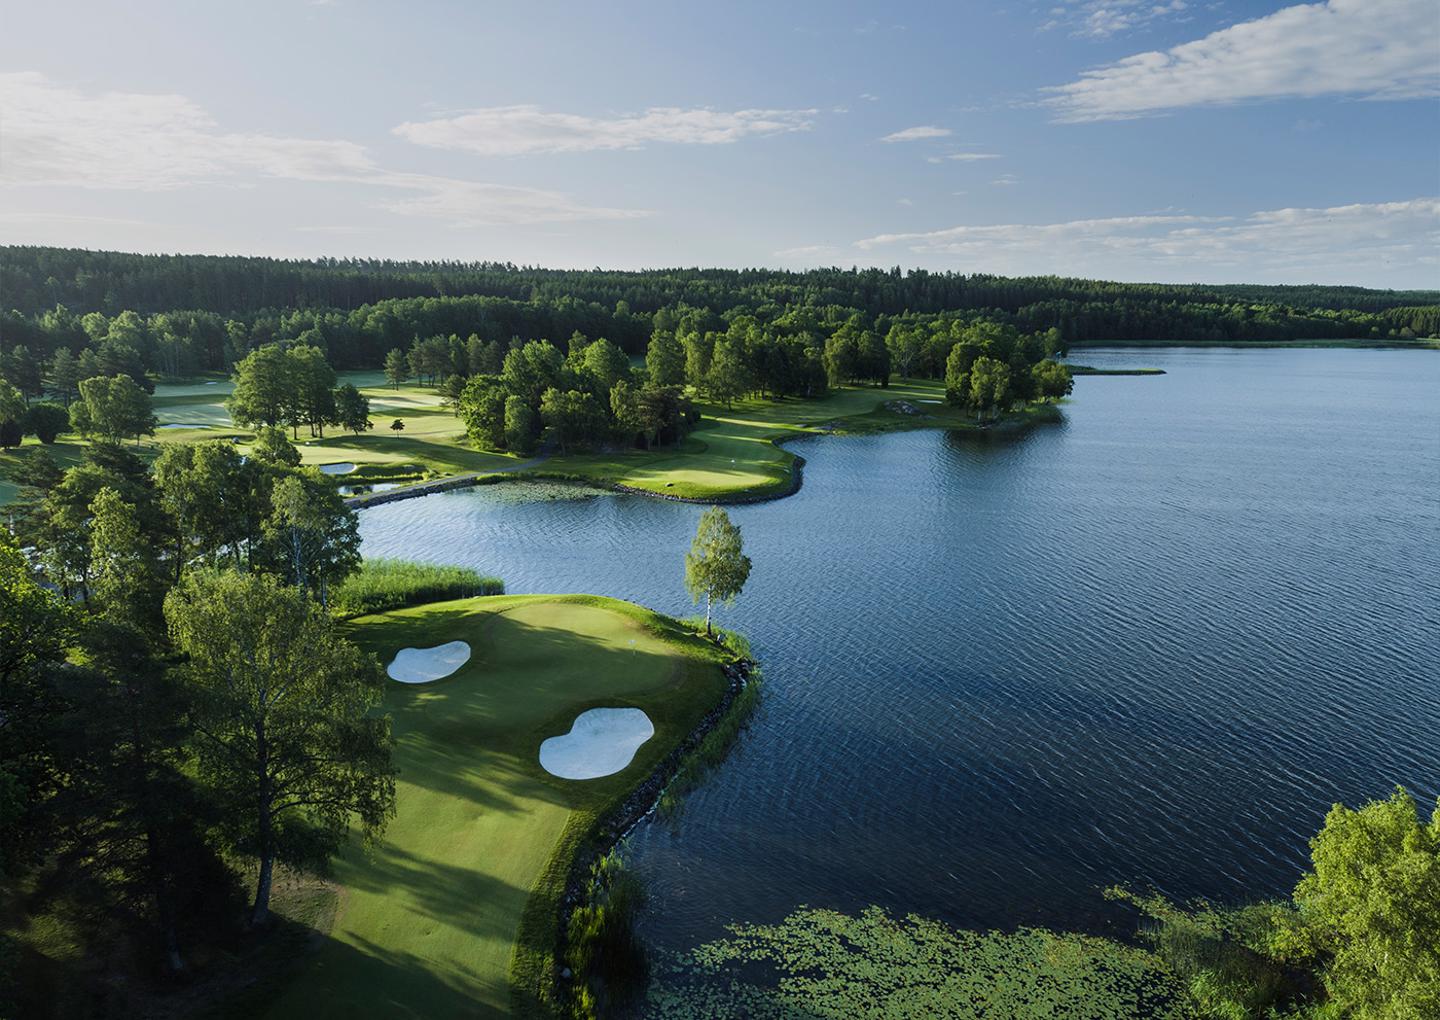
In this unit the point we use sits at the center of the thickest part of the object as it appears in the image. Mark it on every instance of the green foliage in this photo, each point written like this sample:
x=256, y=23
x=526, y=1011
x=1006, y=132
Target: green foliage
x=46, y=421
x=605, y=956
x=382, y=584
x=1372, y=906
x=290, y=745
x=113, y=407
x=823, y=964
x=273, y=446
x=716, y=567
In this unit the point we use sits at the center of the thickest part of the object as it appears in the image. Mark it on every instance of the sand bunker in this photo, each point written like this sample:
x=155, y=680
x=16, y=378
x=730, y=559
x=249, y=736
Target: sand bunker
x=601, y=742
x=344, y=467
x=181, y=425
x=422, y=665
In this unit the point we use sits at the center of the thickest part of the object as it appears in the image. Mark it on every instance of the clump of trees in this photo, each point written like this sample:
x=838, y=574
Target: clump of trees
x=174, y=697
x=293, y=387
x=1359, y=938
x=588, y=398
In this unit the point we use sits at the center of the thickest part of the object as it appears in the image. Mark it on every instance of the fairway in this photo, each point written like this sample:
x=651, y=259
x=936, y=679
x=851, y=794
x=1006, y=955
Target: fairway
x=428, y=919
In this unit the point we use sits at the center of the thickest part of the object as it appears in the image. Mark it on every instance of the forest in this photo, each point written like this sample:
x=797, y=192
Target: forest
x=187, y=313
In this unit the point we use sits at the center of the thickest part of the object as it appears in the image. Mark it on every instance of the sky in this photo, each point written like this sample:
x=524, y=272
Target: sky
x=1145, y=140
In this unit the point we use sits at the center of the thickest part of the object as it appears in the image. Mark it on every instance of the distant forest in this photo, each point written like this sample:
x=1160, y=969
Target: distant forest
x=186, y=313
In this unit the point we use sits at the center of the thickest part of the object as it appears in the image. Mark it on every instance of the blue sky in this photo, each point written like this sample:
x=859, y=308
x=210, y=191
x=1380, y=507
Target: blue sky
x=1171, y=140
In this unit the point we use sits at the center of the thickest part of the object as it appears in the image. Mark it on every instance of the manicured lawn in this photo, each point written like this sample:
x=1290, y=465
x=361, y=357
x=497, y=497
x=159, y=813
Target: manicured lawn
x=734, y=453
x=429, y=919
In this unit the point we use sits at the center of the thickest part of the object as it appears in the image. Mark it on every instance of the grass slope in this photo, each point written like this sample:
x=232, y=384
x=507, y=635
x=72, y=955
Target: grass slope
x=430, y=918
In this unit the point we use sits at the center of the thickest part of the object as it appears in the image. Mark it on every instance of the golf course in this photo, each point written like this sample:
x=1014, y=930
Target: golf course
x=454, y=911
x=733, y=454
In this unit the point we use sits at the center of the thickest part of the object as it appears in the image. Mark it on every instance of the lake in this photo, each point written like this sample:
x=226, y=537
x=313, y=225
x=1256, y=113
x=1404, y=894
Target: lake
x=1149, y=645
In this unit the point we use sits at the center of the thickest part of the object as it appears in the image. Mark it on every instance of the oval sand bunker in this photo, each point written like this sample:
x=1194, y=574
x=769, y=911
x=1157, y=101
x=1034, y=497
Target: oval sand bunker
x=344, y=467
x=422, y=665
x=601, y=742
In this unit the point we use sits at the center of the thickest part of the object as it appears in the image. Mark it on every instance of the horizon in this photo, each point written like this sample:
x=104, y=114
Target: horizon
x=1160, y=142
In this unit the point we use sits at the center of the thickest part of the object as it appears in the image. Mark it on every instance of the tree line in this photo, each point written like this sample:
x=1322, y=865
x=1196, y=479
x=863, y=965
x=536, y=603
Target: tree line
x=175, y=698
x=178, y=315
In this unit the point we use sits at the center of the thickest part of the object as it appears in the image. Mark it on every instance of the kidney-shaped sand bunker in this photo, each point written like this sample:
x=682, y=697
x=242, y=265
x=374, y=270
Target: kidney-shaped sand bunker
x=422, y=665
x=601, y=742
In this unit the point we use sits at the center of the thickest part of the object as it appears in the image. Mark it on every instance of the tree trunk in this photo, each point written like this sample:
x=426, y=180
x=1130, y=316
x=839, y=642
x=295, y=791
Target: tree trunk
x=260, y=911
x=707, y=614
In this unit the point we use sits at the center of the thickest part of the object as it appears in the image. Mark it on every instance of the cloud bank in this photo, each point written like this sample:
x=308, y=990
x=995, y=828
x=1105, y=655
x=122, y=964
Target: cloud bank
x=1326, y=243
x=59, y=136
x=529, y=130
x=1367, y=49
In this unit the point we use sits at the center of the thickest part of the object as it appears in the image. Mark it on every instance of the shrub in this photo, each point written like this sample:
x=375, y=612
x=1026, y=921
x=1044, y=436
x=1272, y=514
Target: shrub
x=46, y=421
x=382, y=584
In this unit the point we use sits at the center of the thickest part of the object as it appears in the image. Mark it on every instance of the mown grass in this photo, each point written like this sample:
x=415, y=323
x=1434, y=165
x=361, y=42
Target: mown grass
x=382, y=584
x=455, y=912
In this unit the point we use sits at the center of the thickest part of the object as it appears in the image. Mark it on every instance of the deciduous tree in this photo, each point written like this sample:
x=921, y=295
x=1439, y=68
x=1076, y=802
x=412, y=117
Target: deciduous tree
x=716, y=567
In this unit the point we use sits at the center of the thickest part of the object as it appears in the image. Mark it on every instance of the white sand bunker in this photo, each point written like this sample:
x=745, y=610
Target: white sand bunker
x=601, y=742
x=344, y=467
x=422, y=665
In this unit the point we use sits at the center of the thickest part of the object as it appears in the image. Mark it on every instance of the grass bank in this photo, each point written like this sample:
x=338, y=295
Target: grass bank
x=455, y=912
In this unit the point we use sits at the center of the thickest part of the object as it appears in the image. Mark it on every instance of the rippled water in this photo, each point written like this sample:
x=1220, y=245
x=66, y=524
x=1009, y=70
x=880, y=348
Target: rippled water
x=1150, y=645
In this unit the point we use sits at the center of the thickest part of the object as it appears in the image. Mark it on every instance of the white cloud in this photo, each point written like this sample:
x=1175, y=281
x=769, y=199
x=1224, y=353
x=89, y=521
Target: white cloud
x=58, y=136
x=915, y=134
x=810, y=253
x=972, y=157
x=528, y=130
x=1370, y=49
x=1006, y=180
x=1103, y=18
x=1325, y=245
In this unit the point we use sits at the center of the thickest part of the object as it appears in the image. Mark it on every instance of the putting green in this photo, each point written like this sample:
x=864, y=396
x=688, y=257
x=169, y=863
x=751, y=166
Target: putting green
x=428, y=920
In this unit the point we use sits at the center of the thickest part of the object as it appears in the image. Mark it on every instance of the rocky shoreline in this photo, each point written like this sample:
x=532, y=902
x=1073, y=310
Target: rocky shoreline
x=640, y=804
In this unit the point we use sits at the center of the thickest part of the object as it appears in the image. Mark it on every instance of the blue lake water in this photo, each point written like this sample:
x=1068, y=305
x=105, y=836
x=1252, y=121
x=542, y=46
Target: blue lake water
x=1149, y=645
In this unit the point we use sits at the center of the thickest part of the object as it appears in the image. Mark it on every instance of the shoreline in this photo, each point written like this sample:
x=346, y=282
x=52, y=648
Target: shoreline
x=1028, y=417
x=539, y=986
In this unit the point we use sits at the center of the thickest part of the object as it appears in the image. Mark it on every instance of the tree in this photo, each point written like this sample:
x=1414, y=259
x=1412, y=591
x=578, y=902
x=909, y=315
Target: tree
x=273, y=446
x=531, y=370
x=521, y=425
x=33, y=625
x=313, y=538
x=1372, y=908
x=217, y=499
x=905, y=346
x=572, y=418
x=989, y=384
x=23, y=370
x=1052, y=379
x=397, y=426
x=12, y=415
x=64, y=375
x=352, y=409
x=482, y=409
x=288, y=738
x=114, y=407
x=604, y=364
x=728, y=377
x=716, y=566
x=45, y=421
x=264, y=392
x=312, y=387
x=665, y=360
x=397, y=369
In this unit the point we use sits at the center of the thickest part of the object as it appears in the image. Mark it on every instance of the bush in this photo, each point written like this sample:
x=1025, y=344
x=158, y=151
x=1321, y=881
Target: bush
x=604, y=954
x=46, y=421
x=382, y=584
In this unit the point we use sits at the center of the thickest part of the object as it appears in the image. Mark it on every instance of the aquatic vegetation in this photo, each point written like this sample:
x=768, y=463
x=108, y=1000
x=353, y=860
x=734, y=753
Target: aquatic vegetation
x=825, y=964
x=382, y=584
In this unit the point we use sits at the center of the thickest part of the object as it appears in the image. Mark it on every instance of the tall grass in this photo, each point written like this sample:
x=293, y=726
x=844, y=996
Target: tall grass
x=382, y=584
